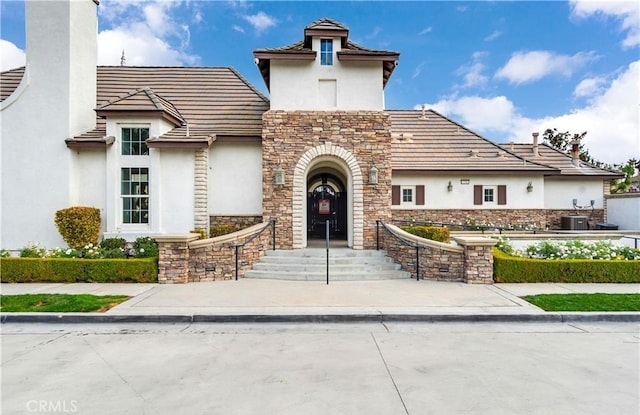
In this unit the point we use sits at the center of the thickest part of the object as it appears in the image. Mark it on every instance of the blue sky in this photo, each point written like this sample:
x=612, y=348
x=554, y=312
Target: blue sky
x=503, y=69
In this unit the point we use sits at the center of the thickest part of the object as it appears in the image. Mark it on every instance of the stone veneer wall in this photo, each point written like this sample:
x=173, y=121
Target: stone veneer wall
x=184, y=258
x=214, y=259
x=288, y=135
x=435, y=264
x=538, y=218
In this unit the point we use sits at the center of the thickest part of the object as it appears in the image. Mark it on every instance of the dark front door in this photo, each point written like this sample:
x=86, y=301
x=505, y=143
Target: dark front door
x=326, y=203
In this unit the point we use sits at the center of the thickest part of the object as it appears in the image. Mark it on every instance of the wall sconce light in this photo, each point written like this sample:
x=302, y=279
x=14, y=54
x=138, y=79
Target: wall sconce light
x=592, y=202
x=279, y=176
x=530, y=187
x=449, y=186
x=373, y=174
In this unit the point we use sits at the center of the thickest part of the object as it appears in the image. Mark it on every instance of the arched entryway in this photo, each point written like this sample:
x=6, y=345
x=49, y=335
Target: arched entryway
x=339, y=168
x=327, y=199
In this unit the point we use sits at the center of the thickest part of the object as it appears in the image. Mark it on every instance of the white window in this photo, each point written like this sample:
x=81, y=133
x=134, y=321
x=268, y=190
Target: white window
x=407, y=195
x=489, y=194
x=326, y=52
x=134, y=175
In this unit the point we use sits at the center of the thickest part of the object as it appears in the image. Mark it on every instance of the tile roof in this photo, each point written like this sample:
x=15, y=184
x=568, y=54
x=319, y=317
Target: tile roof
x=143, y=100
x=326, y=23
x=212, y=101
x=10, y=81
x=558, y=160
x=435, y=143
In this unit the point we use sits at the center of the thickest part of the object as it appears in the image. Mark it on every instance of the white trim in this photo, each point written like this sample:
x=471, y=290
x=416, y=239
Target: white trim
x=344, y=161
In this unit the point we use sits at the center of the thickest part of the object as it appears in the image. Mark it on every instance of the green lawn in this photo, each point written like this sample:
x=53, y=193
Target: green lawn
x=586, y=302
x=59, y=302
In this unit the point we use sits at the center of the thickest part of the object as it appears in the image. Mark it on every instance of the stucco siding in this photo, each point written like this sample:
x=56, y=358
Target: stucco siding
x=235, y=179
x=559, y=194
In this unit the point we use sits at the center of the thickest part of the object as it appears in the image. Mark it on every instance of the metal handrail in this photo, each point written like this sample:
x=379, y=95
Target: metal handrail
x=403, y=241
x=635, y=240
x=272, y=223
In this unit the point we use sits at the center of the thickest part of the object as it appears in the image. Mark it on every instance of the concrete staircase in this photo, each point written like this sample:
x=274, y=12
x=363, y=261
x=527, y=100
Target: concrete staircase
x=311, y=265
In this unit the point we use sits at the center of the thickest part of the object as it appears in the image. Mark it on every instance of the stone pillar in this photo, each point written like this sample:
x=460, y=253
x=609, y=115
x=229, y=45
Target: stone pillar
x=606, y=191
x=478, y=259
x=201, y=197
x=173, y=258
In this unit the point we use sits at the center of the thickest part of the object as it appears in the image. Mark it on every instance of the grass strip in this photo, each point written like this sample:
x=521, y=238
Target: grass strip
x=62, y=303
x=586, y=302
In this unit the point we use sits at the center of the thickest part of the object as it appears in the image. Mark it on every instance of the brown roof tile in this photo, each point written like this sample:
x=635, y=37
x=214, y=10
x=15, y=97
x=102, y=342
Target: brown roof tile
x=437, y=144
x=10, y=81
x=558, y=160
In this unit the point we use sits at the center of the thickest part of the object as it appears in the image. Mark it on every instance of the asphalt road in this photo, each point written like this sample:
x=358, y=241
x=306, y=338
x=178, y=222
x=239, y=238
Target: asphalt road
x=401, y=368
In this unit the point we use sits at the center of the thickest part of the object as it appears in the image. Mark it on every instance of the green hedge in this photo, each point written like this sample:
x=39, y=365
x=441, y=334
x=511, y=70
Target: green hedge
x=508, y=268
x=65, y=270
x=434, y=233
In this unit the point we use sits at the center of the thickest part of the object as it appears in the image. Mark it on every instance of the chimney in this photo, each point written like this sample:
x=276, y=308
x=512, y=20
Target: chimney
x=575, y=151
x=424, y=112
x=535, y=145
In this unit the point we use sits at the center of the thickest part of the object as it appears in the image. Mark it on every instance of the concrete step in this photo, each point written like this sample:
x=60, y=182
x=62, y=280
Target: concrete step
x=310, y=265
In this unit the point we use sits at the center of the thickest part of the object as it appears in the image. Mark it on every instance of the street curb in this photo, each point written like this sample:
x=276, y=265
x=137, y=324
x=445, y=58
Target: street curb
x=90, y=318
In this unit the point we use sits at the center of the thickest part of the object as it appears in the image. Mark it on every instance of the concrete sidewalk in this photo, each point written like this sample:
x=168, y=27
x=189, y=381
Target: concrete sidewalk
x=276, y=300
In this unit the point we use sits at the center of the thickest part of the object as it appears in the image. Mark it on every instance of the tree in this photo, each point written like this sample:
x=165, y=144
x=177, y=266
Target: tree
x=629, y=170
x=563, y=142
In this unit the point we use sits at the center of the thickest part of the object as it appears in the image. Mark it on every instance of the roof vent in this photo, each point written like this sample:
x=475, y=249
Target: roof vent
x=424, y=112
x=473, y=153
x=501, y=154
x=406, y=136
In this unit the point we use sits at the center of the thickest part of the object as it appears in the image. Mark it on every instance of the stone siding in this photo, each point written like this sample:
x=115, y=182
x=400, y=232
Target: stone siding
x=435, y=264
x=200, y=205
x=288, y=136
x=536, y=218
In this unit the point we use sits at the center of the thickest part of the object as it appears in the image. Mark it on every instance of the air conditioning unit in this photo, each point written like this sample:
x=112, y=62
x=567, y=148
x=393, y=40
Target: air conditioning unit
x=575, y=223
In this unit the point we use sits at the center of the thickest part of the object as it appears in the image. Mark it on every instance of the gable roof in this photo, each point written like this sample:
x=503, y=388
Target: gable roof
x=142, y=101
x=428, y=141
x=564, y=163
x=302, y=50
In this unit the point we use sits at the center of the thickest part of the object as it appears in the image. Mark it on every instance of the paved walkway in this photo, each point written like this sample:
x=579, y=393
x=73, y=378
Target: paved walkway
x=252, y=300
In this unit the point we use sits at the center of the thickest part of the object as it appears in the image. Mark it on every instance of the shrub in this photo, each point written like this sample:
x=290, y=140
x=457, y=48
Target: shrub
x=435, y=233
x=145, y=247
x=202, y=233
x=65, y=270
x=33, y=251
x=4, y=253
x=224, y=229
x=113, y=243
x=79, y=225
x=513, y=269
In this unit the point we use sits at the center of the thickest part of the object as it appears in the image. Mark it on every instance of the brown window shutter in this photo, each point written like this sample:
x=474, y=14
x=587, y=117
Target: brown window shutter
x=502, y=194
x=420, y=195
x=477, y=194
x=395, y=195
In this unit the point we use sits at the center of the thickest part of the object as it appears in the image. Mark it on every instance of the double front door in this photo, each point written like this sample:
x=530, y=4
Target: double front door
x=326, y=203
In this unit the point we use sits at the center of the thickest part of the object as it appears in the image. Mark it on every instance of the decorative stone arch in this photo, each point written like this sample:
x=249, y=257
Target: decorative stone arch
x=355, y=185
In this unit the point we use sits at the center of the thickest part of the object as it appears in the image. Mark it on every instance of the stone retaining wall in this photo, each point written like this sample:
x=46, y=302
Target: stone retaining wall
x=240, y=221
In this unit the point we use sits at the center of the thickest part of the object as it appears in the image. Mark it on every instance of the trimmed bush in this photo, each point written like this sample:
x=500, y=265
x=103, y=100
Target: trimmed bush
x=66, y=270
x=79, y=225
x=508, y=268
x=435, y=233
x=146, y=247
x=219, y=230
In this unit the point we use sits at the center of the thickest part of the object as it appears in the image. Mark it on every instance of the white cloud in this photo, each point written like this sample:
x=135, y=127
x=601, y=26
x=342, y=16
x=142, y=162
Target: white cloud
x=494, y=35
x=149, y=32
x=418, y=70
x=612, y=119
x=525, y=67
x=260, y=21
x=589, y=87
x=426, y=30
x=626, y=11
x=238, y=28
x=472, y=72
x=11, y=56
